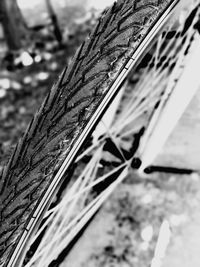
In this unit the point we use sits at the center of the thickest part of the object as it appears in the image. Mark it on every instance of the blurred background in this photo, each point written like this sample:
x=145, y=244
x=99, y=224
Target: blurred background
x=37, y=39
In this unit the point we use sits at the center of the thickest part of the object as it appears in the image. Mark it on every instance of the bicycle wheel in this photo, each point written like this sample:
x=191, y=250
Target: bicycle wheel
x=68, y=114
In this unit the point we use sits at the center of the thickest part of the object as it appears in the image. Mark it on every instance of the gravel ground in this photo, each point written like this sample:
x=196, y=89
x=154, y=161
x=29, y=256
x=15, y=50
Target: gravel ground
x=125, y=232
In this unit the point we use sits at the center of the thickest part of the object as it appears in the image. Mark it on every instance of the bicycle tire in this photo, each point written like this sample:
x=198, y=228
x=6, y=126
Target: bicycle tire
x=70, y=110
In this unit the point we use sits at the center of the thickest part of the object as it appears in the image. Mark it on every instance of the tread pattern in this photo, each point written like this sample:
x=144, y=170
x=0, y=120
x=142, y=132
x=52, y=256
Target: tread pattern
x=66, y=110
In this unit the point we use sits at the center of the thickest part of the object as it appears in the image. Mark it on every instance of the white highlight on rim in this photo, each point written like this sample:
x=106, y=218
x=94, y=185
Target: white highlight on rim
x=17, y=255
x=185, y=89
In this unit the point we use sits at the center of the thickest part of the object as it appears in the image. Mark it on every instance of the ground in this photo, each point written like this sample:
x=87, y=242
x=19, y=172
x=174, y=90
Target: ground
x=126, y=230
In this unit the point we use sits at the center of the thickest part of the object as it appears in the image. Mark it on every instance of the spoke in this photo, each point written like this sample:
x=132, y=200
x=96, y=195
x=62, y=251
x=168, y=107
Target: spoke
x=57, y=212
x=78, y=222
x=79, y=184
x=174, y=108
x=143, y=99
x=113, y=138
x=90, y=211
x=147, y=105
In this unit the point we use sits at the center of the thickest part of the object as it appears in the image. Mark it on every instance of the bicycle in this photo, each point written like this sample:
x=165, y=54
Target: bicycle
x=72, y=109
